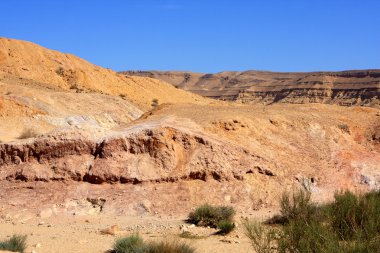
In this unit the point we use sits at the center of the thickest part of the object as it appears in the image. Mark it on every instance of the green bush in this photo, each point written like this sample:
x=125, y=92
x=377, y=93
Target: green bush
x=130, y=244
x=351, y=223
x=168, y=247
x=225, y=227
x=307, y=236
x=135, y=244
x=261, y=240
x=17, y=243
x=207, y=215
x=356, y=216
x=297, y=206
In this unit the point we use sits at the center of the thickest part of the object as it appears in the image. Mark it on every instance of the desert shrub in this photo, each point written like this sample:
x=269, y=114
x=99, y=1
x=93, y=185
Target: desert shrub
x=344, y=128
x=28, y=133
x=154, y=102
x=17, y=243
x=60, y=71
x=225, y=227
x=135, y=244
x=130, y=244
x=351, y=223
x=168, y=247
x=297, y=206
x=304, y=227
x=345, y=214
x=356, y=216
x=307, y=236
x=207, y=215
x=261, y=240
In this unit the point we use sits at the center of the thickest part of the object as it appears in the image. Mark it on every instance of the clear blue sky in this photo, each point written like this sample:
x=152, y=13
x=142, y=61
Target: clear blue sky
x=203, y=35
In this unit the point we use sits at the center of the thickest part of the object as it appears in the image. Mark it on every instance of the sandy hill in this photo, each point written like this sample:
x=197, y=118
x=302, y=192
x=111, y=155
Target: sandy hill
x=44, y=89
x=31, y=63
x=356, y=87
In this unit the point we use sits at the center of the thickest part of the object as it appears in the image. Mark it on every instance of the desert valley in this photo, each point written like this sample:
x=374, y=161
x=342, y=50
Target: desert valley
x=88, y=154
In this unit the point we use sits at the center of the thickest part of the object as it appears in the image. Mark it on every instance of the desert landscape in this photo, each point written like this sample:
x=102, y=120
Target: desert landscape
x=88, y=154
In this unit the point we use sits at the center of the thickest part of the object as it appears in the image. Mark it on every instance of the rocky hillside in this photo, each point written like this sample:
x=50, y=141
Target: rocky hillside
x=31, y=64
x=73, y=133
x=43, y=90
x=357, y=87
x=179, y=156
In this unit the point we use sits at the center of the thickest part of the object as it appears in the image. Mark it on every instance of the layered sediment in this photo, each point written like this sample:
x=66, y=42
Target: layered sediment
x=356, y=87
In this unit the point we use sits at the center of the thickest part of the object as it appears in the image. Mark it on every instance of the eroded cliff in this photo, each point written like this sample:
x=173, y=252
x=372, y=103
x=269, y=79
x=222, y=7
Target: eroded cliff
x=356, y=87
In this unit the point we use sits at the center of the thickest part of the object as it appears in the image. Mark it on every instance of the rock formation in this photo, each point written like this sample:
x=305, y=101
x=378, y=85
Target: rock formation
x=356, y=87
x=73, y=133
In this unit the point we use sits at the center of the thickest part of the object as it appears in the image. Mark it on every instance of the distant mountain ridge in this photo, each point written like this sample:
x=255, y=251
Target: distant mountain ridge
x=353, y=87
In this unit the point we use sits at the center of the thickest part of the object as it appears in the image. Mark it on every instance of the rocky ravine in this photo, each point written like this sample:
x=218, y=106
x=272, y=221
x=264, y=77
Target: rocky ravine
x=356, y=87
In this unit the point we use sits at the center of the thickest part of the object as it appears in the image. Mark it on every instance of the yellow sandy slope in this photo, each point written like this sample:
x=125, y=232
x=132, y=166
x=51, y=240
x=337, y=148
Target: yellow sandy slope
x=65, y=72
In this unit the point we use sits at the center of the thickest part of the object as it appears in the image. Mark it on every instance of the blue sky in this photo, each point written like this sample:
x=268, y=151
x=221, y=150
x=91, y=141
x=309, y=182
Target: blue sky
x=203, y=35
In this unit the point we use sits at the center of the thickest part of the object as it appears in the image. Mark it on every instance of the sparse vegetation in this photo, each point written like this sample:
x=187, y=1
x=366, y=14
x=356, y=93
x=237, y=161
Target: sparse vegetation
x=130, y=244
x=186, y=77
x=351, y=223
x=60, y=71
x=344, y=128
x=17, y=243
x=28, y=133
x=74, y=86
x=356, y=217
x=225, y=227
x=213, y=216
x=189, y=235
x=168, y=247
x=262, y=240
x=154, y=102
x=135, y=244
x=297, y=206
x=207, y=215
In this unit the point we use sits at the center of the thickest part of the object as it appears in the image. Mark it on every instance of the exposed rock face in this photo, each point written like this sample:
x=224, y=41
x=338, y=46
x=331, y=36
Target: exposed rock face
x=154, y=155
x=357, y=87
x=102, y=143
x=244, y=156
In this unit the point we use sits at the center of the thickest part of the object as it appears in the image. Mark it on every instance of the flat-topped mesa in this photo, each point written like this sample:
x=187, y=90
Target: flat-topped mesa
x=356, y=87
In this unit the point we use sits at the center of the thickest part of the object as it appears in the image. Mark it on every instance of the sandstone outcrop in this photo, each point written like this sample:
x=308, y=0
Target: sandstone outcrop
x=162, y=154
